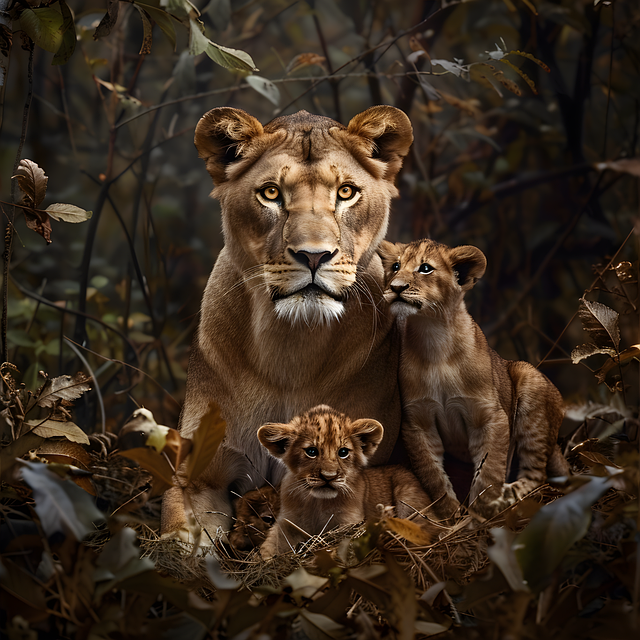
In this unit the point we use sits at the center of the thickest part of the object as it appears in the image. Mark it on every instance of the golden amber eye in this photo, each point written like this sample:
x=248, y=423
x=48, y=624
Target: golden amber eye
x=271, y=193
x=345, y=192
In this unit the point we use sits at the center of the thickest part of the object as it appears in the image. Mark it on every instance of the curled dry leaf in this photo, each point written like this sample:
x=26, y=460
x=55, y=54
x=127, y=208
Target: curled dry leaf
x=62, y=388
x=38, y=221
x=600, y=322
x=32, y=181
x=586, y=350
x=303, y=60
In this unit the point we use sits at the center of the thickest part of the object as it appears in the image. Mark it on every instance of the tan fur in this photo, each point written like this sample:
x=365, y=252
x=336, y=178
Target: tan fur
x=293, y=313
x=332, y=488
x=256, y=513
x=458, y=394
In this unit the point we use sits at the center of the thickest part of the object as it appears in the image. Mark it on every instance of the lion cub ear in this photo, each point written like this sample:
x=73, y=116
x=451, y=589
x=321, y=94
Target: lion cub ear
x=221, y=135
x=389, y=133
x=389, y=251
x=276, y=438
x=469, y=263
x=369, y=433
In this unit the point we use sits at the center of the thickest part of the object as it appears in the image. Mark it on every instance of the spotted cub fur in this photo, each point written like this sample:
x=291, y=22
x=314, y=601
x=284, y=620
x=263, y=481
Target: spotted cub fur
x=256, y=513
x=459, y=395
x=326, y=483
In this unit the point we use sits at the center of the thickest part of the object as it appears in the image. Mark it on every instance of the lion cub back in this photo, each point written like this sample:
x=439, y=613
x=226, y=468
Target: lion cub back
x=327, y=483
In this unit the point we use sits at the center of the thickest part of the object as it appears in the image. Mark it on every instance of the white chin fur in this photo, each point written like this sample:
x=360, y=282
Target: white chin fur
x=327, y=494
x=403, y=309
x=310, y=310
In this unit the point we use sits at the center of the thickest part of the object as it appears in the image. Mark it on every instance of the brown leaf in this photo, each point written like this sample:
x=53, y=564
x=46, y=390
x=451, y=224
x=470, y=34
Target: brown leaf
x=624, y=271
x=39, y=222
x=147, y=26
x=108, y=20
x=54, y=428
x=585, y=350
x=62, y=388
x=205, y=441
x=32, y=182
x=303, y=60
x=153, y=462
x=600, y=322
x=410, y=531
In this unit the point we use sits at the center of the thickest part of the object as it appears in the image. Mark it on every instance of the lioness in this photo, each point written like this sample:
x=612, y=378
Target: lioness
x=327, y=483
x=458, y=394
x=293, y=314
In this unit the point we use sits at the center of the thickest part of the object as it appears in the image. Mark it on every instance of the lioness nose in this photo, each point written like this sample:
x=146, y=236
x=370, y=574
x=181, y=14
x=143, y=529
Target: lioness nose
x=313, y=259
x=399, y=287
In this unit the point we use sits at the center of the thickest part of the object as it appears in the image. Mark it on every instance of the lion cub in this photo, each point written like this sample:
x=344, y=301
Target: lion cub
x=459, y=395
x=326, y=483
x=256, y=513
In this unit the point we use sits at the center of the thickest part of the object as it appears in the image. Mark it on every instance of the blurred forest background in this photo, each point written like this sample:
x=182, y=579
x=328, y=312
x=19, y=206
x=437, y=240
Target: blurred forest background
x=503, y=158
x=526, y=120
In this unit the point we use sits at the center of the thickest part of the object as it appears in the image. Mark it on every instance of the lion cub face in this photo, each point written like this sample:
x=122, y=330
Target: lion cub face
x=324, y=451
x=429, y=277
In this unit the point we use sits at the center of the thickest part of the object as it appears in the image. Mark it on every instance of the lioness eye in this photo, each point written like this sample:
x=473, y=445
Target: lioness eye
x=343, y=452
x=425, y=267
x=395, y=266
x=346, y=192
x=271, y=193
x=312, y=452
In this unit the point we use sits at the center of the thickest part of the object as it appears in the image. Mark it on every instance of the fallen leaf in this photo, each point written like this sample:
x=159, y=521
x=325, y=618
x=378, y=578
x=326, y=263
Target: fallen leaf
x=55, y=428
x=62, y=388
x=32, y=181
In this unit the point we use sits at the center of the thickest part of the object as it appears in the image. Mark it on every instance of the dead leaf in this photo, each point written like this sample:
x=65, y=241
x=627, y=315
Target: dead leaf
x=205, y=441
x=586, y=350
x=410, y=531
x=32, y=182
x=39, y=222
x=303, y=60
x=600, y=322
x=68, y=213
x=55, y=428
x=155, y=463
x=624, y=271
x=62, y=388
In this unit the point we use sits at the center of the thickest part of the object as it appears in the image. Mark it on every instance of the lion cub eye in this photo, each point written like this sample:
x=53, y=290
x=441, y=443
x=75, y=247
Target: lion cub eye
x=346, y=192
x=312, y=452
x=343, y=452
x=425, y=267
x=395, y=267
x=270, y=193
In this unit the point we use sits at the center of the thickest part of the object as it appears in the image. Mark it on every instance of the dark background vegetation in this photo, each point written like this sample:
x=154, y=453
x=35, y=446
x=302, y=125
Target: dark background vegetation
x=518, y=159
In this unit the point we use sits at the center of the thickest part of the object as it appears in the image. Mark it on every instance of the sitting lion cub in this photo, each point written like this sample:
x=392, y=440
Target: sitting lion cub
x=326, y=484
x=459, y=395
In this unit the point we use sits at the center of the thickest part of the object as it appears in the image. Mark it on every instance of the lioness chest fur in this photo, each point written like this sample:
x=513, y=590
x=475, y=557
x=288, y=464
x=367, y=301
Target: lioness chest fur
x=292, y=315
x=458, y=394
x=327, y=483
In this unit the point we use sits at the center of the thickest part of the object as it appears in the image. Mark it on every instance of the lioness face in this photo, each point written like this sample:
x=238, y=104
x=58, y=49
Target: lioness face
x=323, y=450
x=427, y=277
x=305, y=201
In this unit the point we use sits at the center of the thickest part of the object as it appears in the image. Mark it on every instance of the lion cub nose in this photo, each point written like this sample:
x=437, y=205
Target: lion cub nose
x=399, y=287
x=313, y=259
x=328, y=475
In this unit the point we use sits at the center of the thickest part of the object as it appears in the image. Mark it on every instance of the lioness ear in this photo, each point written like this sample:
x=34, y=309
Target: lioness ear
x=221, y=134
x=469, y=264
x=276, y=438
x=389, y=134
x=369, y=433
